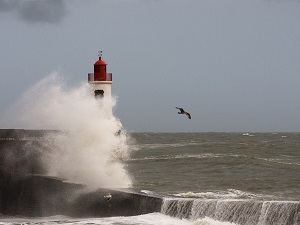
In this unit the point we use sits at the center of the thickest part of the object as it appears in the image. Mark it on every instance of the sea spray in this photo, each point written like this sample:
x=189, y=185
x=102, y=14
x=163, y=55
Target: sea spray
x=86, y=148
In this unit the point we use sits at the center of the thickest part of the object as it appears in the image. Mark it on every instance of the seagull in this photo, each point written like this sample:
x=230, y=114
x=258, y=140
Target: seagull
x=108, y=197
x=184, y=112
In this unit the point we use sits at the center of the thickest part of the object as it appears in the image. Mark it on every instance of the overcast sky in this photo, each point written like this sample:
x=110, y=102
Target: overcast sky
x=233, y=64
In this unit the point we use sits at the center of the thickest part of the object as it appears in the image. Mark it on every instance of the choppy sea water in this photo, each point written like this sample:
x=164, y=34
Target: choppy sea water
x=263, y=166
x=210, y=178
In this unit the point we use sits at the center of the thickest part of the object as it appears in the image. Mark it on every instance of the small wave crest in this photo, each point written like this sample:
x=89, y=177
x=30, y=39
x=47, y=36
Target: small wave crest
x=209, y=221
x=229, y=194
x=187, y=156
x=247, y=134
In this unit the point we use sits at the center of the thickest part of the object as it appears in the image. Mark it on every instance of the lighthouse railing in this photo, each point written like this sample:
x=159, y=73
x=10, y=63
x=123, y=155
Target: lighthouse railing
x=92, y=75
x=108, y=76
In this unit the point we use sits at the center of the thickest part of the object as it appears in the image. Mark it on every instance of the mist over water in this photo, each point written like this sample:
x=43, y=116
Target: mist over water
x=86, y=149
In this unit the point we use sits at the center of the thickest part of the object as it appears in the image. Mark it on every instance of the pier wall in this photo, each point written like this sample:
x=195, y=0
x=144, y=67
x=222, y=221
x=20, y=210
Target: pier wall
x=26, y=190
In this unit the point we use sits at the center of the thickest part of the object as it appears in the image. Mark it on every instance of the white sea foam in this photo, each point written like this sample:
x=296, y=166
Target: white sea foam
x=86, y=150
x=187, y=156
x=161, y=146
x=280, y=161
x=147, y=192
x=229, y=194
x=147, y=219
x=247, y=134
x=210, y=221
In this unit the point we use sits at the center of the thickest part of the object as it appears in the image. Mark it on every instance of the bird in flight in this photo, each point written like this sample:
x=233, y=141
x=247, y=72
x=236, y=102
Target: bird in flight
x=184, y=112
x=108, y=197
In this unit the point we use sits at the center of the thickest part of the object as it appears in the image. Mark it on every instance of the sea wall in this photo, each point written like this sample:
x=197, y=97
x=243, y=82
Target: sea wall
x=45, y=196
x=26, y=190
x=237, y=211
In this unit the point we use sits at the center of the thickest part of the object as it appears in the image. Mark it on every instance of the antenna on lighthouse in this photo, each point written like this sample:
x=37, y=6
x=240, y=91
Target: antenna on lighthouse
x=100, y=54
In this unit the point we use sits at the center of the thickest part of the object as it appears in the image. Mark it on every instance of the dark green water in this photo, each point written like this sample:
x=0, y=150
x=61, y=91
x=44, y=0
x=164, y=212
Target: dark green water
x=218, y=165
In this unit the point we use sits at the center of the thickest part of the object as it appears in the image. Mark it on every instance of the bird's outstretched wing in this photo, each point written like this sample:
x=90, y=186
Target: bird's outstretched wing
x=181, y=109
x=188, y=115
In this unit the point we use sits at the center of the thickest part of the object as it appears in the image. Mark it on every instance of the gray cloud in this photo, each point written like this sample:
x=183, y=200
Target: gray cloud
x=43, y=11
x=8, y=5
x=36, y=11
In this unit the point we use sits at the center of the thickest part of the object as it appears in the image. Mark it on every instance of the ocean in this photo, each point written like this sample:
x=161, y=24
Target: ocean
x=209, y=178
x=264, y=166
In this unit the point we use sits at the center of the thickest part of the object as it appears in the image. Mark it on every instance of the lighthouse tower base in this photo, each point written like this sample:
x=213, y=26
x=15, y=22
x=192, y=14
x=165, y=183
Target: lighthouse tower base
x=102, y=91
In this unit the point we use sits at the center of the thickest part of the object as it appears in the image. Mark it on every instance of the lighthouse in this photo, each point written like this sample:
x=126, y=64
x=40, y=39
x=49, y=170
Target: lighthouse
x=101, y=83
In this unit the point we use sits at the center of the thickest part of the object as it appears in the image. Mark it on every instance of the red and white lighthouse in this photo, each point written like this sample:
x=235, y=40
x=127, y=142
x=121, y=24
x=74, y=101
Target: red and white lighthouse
x=101, y=82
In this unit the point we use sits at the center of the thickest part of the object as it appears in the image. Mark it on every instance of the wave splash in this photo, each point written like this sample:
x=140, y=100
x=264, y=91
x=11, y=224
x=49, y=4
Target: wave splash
x=86, y=148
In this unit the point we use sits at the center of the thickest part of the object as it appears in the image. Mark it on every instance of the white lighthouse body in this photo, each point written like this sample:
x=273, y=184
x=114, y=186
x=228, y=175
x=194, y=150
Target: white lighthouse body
x=101, y=83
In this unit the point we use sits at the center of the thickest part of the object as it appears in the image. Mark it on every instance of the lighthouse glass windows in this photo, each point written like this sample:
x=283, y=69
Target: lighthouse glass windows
x=99, y=93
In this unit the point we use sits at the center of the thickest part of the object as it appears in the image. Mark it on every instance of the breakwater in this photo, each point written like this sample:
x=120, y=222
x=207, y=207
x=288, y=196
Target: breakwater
x=237, y=211
x=26, y=190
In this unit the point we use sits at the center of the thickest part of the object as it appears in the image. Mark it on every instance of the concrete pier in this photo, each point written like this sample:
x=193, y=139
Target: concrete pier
x=37, y=196
x=25, y=190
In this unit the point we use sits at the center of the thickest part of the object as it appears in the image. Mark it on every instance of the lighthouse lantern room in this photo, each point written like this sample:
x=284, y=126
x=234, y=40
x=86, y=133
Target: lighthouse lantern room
x=100, y=80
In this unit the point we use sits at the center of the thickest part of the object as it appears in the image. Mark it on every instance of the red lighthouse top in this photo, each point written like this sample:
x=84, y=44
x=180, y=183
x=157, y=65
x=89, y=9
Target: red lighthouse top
x=100, y=61
x=100, y=71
